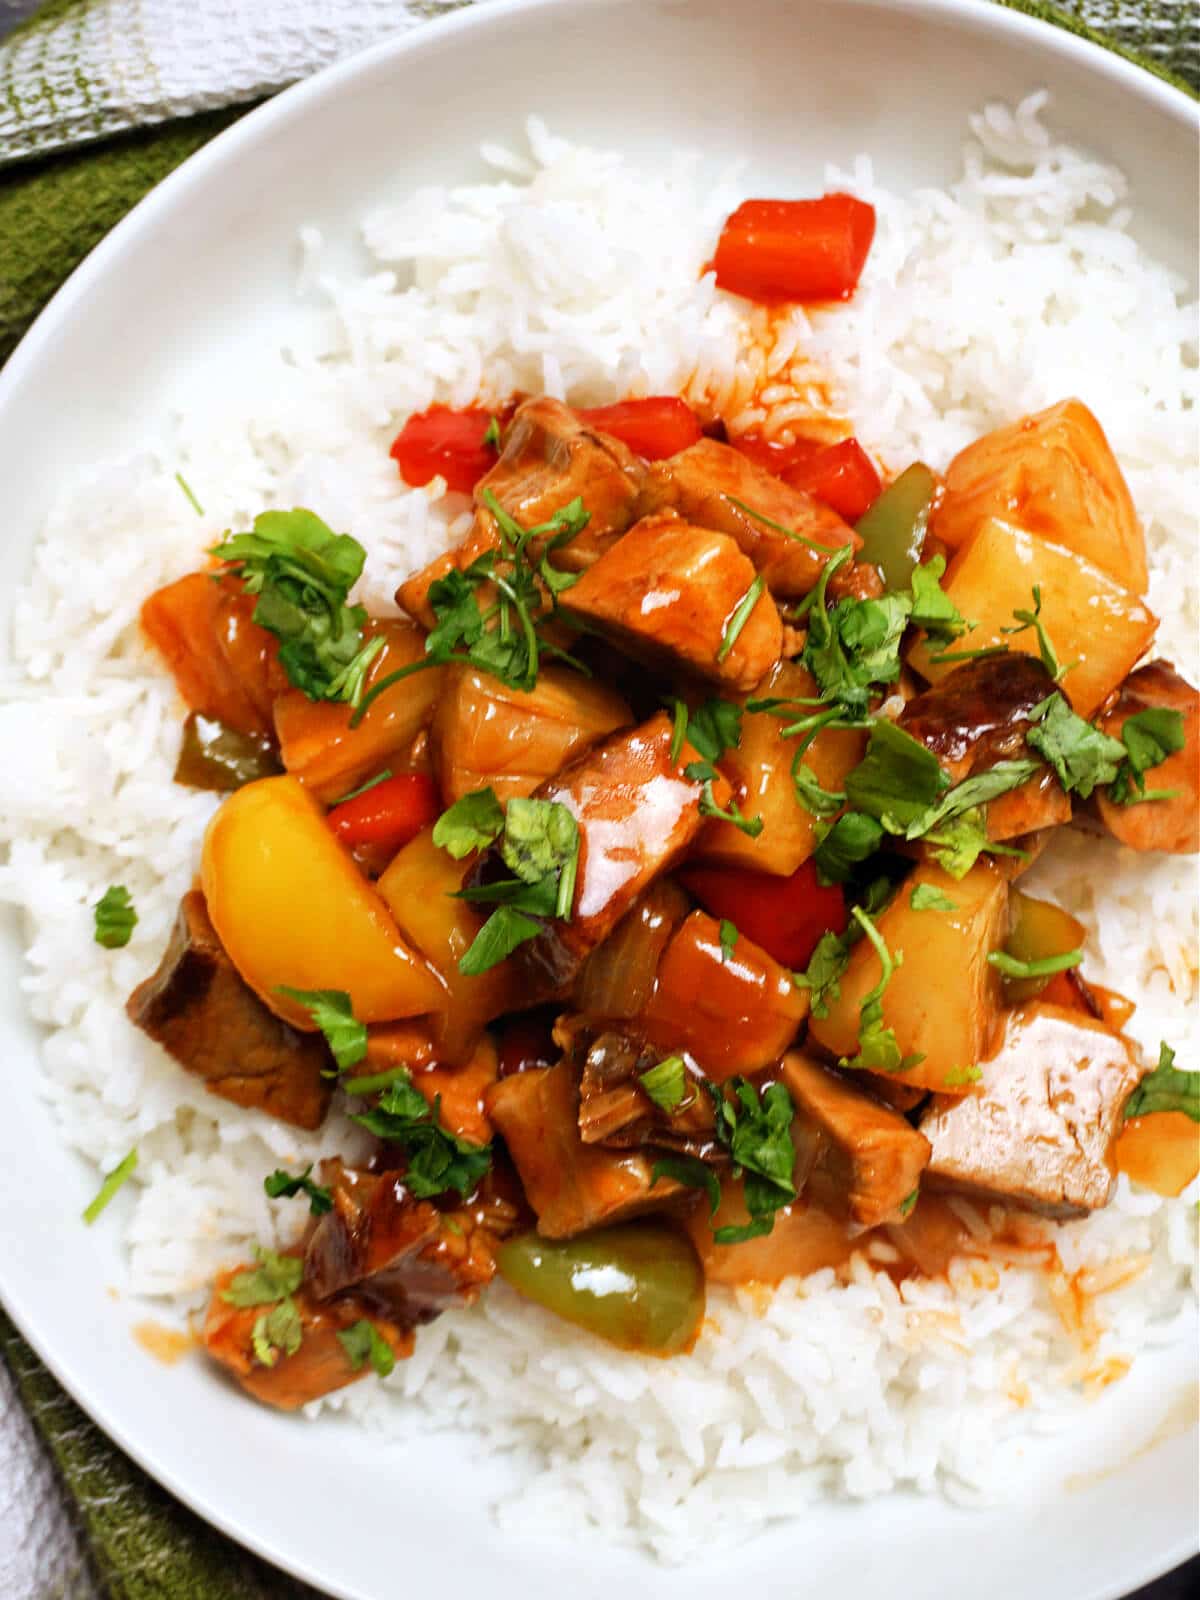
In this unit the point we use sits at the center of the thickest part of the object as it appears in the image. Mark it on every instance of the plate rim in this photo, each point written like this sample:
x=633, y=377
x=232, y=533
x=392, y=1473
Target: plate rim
x=984, y=18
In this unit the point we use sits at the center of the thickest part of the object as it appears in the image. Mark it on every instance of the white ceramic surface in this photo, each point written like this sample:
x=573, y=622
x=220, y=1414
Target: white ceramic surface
x=200, y=275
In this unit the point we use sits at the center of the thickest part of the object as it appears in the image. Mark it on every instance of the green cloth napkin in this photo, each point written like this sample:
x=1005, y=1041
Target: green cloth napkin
x=144, y=1545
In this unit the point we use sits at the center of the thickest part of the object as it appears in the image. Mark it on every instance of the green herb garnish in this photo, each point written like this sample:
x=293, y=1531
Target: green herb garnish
x=932, y=608
x=188, y=494
x=275, y=1332
x=113, y=1181
x=1166, y=1089
x=363, y=788
x=728, y=936
x=925, y=897
x=363, y=1342
x=690, y=1171
x=114, y=918
x=1033, y=619
x=1149, y=737
x=273, y=1279
x=851, y=840
x=1044, y=967
x=757, y=1132
x=1080, y=754
x=666, y=1084
x=282, y=1185
x=492, y=436
x=438, y=1160
x=330, y=1010
x=470, y=824
x=878, y=1050
x=540, y=846
x=740, y=616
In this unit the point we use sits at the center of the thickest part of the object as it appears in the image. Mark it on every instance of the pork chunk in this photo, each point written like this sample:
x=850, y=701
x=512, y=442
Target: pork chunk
x=703, y=483
x=1038, y=1129
x=670, y=592
x=571, y=1186
x=400, y=1255
x=1172, y=825
x=198, y=1008
x=870, y=1159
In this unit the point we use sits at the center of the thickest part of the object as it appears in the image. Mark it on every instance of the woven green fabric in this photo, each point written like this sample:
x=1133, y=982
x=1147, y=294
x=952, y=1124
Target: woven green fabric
x=145, y=1545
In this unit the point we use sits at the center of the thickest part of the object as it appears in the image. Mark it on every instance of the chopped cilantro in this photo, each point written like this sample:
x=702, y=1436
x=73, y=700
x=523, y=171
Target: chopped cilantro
x=1081, y=755
x=714, y=727
x=540, y=847
x=828, y=962
x=114, y=918
x=492, y=436
x=740, y=615
x=1166, y=1089
x=811, y=794
x=438, y=1160
x=330, y=1010
x=277, y=1331
x=189, y=495
x=728, y=936
x=282, y=1185
x=273, y=1279
x=1149, y=737
x=843, y=846
x=960, y=1077
x=1033, y=619
x=666, y=1084
x=113, y=1181
x=1045, y=967
x=899, y=780
x=470, y=824
x=925, y=897
x=690, y=1171
x=679, y=727
x=757, y=1132
x=909, y=1204
x=363, y=1342
x=932, y=608
x=878, y=1050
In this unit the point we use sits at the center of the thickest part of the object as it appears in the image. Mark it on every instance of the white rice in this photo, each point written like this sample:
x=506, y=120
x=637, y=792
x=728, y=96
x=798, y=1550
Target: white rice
x=576, y=275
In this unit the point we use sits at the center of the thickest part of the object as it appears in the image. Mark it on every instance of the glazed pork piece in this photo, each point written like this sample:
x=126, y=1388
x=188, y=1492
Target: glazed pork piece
x=637, y=814
x=703, y=483
x=674, y=595
x=203, y=1014
x=570, y=1185
x=402, y=1256
x=1172, y=825
x=1038, y=1129
x=614, y=1108
x=869, y=1160
x=550, y=457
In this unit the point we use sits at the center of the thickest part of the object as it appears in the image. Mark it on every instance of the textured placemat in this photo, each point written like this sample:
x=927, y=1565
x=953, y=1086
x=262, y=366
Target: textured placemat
x=103, y=1528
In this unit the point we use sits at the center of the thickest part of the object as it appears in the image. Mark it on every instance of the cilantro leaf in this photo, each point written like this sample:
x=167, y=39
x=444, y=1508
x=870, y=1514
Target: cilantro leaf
x=470, y=824
x=1033, y=619
x=114, y=918
x=1081, y=755
x=957, y=843
x=898, y=780
x=503, y=932
x=739, y=616
x=757, y=1132
x=330, y=1010
x=690, y=1171
x=925, y=897
x=751, y=826
x=728, y=936
x=540, y=846
x=280, y=1185
x=714, y=727
x=113, y=1181
x=1149, y=737
x=1045, y=967
x=855, y=648
x=828, y=962
x=811, y=794
x=438, y=1160
x=492, y=435
x=878, y=1050
x=273, y=1279
x=679, y=727
x=277, y=1331
x=909, y=1204
x=852, y=839
x=362, y=1340
x=1166, y=1089
x=302, y=572
x=666, y=1083
x=960, y=1077
x=932, y=608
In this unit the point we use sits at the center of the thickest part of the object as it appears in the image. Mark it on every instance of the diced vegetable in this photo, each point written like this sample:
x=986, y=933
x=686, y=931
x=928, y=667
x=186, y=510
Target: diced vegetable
x=786, y=916
x=683, y=596
x=571, y=1186
x=661, y=425
x=735, y=1011
x=291, y=909
x=841, y=475
x=184, y=623
x=774, y=456
x=215, y=757
x=618, y=977
x=388, y=814
x=453, y=444
x=639, y=1286
x=419, y=889
x=804, y=1239
x=317, y=743
x=487, y=734
x=950, y=1024
x=1053, y=474
x=795, y=249
x=893, y=529
x=1097, y=628
x=1161, y=1152
x=759, y=768
x=1039, y=930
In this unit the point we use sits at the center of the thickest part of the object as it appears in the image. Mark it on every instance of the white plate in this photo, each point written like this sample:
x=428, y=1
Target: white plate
x=202, y=270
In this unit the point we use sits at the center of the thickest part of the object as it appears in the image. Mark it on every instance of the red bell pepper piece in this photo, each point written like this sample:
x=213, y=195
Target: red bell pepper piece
x=842, y=475
x=786, y=916
x=777, y=458
x=795, y=249
x=448, y=442
x=659, y=426
x=388, y=814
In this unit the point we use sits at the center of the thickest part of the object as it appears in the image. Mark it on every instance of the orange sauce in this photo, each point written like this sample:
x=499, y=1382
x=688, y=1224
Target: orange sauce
x=165, y=1344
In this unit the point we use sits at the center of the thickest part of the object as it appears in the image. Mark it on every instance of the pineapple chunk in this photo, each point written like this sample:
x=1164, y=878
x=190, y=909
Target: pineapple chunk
x=1090, y=620
x=760, y=770
x=943, y=1001
x=1056, y=476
